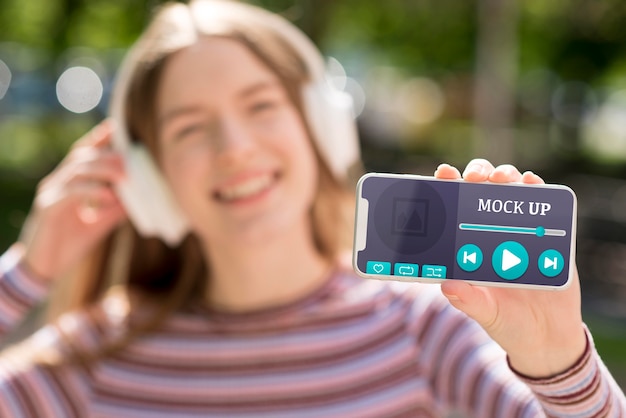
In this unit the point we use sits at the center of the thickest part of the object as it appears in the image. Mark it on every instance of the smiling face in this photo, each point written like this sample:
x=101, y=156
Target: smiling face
x=232, y=144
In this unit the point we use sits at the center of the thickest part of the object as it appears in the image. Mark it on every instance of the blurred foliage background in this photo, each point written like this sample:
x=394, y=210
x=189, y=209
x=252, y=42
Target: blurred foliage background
x=535, y=83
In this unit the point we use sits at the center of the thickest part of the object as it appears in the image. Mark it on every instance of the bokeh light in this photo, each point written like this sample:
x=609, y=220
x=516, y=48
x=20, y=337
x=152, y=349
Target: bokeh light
x=420, y=101
x=5, y=79
x=605, y=131
x=357, y=92
x=338, y=77
x=79, y=89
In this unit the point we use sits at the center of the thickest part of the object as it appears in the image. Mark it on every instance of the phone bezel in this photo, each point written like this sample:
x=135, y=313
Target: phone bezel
x=361, y=225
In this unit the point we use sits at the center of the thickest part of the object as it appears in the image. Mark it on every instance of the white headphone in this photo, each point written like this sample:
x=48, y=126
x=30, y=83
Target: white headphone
x=146, y=195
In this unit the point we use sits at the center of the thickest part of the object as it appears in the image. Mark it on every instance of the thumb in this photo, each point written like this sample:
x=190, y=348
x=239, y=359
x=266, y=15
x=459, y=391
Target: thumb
x=474, y=301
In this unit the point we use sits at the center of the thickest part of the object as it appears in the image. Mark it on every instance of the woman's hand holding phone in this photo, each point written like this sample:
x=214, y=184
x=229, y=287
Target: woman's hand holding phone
x=541, y=330
x=75, y=206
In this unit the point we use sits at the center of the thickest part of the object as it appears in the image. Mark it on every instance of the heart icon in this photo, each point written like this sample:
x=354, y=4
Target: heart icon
x=378, y=267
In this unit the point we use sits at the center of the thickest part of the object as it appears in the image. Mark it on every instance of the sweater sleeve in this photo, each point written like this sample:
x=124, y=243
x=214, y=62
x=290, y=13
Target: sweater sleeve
x=586, y=389
x=20, y=290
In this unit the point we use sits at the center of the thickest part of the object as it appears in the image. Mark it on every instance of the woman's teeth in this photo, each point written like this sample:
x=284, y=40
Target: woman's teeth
x=246, y=188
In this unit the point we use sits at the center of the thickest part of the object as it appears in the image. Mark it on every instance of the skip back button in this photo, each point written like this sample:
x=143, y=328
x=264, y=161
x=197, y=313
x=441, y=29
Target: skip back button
x=469, y=257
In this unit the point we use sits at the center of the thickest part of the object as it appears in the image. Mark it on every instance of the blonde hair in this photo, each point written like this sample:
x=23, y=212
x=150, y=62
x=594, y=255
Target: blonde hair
x=170, y=279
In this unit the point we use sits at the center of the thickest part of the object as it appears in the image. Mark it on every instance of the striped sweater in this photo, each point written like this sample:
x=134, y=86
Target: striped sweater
x=353, y=348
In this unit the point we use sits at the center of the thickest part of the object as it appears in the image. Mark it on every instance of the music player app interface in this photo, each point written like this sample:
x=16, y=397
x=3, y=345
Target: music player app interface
x=482, y=232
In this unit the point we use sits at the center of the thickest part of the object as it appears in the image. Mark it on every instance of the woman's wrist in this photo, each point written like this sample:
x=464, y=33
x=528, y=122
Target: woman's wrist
x=552, y=361
x=27, y=265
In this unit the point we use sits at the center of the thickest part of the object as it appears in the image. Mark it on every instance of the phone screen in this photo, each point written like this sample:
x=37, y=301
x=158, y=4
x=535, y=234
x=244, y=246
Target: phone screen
x=424, y=229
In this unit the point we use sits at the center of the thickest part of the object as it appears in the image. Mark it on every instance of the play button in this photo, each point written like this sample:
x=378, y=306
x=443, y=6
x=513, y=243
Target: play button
x=510, y=260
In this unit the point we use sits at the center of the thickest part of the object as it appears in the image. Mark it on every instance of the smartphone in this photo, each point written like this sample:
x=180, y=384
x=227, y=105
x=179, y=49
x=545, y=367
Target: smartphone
x=418, y=228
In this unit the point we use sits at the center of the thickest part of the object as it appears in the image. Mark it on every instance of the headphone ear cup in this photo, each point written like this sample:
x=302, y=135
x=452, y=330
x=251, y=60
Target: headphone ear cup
x=148, y=200
x=330, y=114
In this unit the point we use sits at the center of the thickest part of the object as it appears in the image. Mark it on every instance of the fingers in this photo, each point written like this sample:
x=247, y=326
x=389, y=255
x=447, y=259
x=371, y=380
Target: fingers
x=505, y=173
x=481, y=170
x=531, y=178
x=104, y=166
x=85, y=178
x=447, y=172
x=476, y=302
x=95, y=194
x=91, y=158
x=99, y=136
x=478, y=170
x=90, y=162
x=99, y=205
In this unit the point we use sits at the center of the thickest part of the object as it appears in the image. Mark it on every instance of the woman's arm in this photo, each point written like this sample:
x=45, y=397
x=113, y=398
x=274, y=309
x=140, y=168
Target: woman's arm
x=75, y=206
x=468, y=372
x=542, y=332
x=20, y=289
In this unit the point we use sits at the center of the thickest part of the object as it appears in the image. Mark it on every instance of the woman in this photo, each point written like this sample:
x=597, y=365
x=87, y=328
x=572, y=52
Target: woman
x=245, y=310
